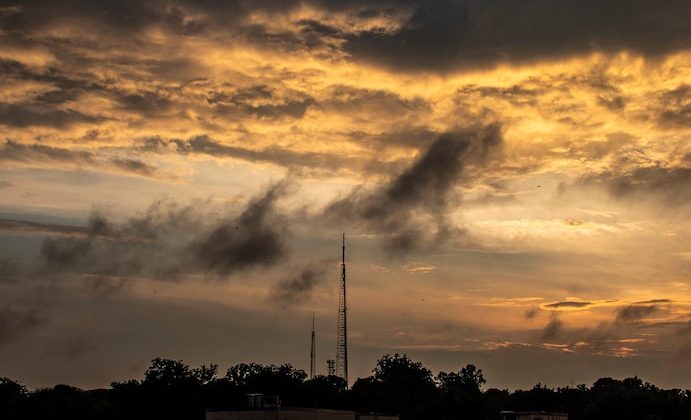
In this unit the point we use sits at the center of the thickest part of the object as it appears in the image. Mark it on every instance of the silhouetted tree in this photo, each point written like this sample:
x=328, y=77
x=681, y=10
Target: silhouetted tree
x=173, y=390
x=398, y=385
x=284, y=380
x=461, y=393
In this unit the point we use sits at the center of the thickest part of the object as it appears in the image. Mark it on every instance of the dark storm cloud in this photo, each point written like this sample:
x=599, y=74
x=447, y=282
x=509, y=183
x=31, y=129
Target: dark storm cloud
x=14, y=322
x=421, y=191
x=27, y=115
x=553, y=330
x=255, y=239
x=463, y=33
x=299, y=285
x=633, y=313
x=12, y=151
x=167, y=241
x=481, y=33
x=568, y=304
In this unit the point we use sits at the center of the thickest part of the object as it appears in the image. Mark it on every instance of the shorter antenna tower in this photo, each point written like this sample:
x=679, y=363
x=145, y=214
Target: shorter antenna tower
x=313, y=350
x=331, y=367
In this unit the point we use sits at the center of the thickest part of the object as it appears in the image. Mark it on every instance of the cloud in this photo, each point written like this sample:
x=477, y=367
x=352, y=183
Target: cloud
x=553, y=330
x=568, y=304
x=531, y=313
x=74, y=347
x=27, y=115
x=652, y=301
x=299, y=285
x=633, y=313
x=167, y=241
x=670, y=184
x=25, y=226
x=674, y=108
x=14, y=322
x=256, y=238
x=422, y=191
x=41, y=154
x=260, y=101
x=472, y=33
x=106, y=286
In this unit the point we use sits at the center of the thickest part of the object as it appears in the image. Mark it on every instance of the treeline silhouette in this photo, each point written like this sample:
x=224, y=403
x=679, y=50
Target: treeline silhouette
x=173, y=390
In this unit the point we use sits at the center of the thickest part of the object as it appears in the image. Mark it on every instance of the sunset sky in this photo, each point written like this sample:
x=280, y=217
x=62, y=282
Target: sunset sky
x=513, y=178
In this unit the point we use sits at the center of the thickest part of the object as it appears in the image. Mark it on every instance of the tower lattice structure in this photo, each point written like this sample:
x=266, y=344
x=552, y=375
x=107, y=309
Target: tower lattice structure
x=313, y=350
x=342, y=336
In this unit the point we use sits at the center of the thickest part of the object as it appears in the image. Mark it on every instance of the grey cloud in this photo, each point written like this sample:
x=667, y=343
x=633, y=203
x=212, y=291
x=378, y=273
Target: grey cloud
x=13, y=151
x=671, y=184
x=26, y=226
x=296, y=160
x=553, y=330
x=516, y=95
x=674, y=108
x=256, y=238
x=652, y=301
x=27, y=115
x=633, y=313
x=260, y=101
x=299, y=285
x=142, y=245
x=14, y=322
x=65, y=252
x=10, y=268
x=614, y=103
x=168, y=241
x=135, y=166
x=568, y=304
x=465, y=33
x=421, y=191
x=74, y=347
x=531, y=313
x=474, y=33
x=5, y=184
x=106, y=286
x=145, y=103
x=354, y=101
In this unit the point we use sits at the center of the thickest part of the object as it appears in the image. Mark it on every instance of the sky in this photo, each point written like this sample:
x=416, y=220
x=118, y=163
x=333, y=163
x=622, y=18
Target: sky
x=513, y=178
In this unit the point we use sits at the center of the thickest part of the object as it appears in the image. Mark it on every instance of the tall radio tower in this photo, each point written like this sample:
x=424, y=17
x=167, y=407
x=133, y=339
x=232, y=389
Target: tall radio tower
x=313, y=352
x=342, y=342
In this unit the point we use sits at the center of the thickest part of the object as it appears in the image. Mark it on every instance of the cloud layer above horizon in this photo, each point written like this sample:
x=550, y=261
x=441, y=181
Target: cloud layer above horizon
x=514, y=178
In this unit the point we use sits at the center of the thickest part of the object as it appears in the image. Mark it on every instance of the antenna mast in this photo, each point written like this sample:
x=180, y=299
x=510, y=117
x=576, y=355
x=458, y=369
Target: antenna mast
x=313, y=352
x=342, y=342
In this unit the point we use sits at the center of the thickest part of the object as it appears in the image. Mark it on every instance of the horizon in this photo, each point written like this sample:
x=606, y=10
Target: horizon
x=514, y=184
